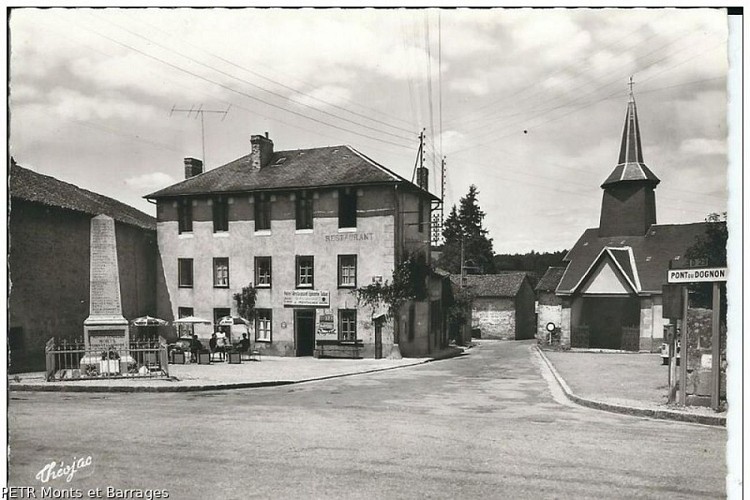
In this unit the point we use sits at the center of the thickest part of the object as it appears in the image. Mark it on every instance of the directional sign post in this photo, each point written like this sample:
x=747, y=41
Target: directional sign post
x=713, y=275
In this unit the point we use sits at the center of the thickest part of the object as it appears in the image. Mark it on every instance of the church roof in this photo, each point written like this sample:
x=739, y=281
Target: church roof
x=630, y=165
x=550, y=280
x=643, y=260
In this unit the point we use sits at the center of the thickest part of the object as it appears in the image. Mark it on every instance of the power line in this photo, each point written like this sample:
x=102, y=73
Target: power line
x=244, y=94
x=288, y=87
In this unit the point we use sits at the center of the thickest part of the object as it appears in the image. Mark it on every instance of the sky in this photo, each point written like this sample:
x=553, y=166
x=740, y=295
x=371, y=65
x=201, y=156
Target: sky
x=527, y=104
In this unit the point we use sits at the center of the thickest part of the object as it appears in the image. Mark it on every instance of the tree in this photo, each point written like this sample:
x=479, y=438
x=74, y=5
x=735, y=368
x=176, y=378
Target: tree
x=711, y=246
x=246, y=302
x=409, y=283
x=465, y=225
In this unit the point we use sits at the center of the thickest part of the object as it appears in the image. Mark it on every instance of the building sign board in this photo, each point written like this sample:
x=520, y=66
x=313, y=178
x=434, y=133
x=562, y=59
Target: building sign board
x=325, y=324
x=708, y=274
x=307, y=298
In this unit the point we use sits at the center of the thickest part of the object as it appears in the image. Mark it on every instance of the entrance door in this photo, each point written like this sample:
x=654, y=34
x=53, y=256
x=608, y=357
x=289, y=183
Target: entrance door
x=304, y=331
x=379, y=338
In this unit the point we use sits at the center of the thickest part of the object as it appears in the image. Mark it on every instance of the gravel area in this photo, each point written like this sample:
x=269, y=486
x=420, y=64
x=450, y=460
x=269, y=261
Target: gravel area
x=638, y=379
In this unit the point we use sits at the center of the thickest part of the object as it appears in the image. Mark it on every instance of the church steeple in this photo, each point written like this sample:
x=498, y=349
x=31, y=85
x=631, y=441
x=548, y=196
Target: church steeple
x=629, y=203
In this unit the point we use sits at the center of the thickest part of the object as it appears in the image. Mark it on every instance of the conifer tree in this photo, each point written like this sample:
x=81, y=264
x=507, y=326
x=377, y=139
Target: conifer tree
x=466, y=224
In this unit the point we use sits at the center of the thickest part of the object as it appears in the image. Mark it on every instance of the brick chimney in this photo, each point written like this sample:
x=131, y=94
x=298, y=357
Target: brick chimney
x=261, y=151
x=193, y=167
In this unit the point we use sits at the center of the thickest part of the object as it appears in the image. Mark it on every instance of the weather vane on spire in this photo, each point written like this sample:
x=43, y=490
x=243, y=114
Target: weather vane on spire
x=630, y=84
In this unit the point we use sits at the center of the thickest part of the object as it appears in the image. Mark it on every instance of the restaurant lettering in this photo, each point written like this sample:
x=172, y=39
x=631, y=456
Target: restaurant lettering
x=330, y=238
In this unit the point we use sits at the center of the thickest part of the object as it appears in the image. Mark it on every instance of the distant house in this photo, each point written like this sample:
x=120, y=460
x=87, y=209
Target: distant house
x=48, y=258
x=549, y=305
x=502, y=305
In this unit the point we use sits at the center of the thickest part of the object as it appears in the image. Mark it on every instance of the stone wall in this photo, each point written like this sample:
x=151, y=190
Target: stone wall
x=495, y=317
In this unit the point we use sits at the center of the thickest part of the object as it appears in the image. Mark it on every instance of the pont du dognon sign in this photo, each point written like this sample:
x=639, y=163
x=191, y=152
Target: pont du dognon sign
x=708, y=274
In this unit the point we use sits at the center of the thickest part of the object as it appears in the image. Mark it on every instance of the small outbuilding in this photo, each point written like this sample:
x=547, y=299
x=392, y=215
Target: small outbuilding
x=502, y=305
x=548, y=305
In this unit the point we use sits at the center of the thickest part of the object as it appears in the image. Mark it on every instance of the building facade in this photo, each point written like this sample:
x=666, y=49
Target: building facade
x=611, y=289
x=502, y=305
x=48, y=260
x=304, y=228
x=548, y=305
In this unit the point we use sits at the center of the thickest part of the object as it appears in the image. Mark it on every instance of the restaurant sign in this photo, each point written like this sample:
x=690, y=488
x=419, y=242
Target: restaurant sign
x=307, y=298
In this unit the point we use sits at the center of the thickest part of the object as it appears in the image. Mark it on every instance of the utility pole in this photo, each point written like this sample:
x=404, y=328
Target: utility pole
x=420, y=156
x=199, y=111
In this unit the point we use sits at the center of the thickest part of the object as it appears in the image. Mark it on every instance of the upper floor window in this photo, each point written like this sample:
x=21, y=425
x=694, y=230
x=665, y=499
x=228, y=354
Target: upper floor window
x=262, y=212
x=221, y=214
x=304, y=210
x=185, y=217
x=305, y=270
x=185, y=273
x=221, y=272
x=347, y=207
x=263, y=271
x=347, y=271
x=347, y=324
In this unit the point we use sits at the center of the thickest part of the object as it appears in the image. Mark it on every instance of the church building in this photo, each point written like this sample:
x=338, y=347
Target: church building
x=611, y=289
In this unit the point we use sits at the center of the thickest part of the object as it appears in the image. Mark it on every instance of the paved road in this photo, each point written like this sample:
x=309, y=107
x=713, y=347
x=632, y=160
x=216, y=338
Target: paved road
x=486, y=425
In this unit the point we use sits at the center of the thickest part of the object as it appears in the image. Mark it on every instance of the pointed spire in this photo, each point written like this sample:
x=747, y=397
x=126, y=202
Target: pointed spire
x=630, y=165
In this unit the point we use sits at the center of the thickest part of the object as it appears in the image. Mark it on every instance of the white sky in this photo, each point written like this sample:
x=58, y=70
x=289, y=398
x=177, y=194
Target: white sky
x=91, y=93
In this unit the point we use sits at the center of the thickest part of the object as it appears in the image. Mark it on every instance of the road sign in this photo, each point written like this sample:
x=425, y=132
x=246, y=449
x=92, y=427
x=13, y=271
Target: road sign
x=707, y=274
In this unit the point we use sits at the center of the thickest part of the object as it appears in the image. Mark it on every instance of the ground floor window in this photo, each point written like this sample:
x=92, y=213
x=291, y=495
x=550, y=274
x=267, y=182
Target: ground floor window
x=263, y=325
x=347, y=324
x=184, y=312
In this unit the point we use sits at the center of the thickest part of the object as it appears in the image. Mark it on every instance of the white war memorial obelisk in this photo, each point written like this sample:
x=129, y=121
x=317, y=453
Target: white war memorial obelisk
x=105, y=330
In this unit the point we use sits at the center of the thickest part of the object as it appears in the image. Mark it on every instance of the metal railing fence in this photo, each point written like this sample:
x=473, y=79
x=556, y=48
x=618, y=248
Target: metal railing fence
x=71, y=360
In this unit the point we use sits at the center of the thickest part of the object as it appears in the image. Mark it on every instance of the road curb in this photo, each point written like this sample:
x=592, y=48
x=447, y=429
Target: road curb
x=631, y=410
x=53, y=387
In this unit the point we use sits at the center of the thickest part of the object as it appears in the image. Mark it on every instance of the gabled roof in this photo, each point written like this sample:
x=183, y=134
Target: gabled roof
x=31, y=186
x=302, y=168
x=630, y=165
x=550, y=279
x=506, y=284
x=651, y=254
x=623, y=261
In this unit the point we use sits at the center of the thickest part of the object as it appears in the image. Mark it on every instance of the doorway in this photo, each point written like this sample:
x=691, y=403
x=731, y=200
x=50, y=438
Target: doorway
x=304, y=331
x=379, y=337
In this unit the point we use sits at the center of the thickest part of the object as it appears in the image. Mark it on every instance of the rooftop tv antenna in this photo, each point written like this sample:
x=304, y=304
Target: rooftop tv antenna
x=199, y=111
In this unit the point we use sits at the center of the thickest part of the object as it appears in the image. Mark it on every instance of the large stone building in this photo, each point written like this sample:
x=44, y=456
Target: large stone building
x=611, y=290
x=48, y=259
x=305, y=228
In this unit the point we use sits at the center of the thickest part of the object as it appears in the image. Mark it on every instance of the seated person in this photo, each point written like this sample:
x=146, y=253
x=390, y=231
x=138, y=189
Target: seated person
x=244, y=344
x=212, y=344
x=195, y=346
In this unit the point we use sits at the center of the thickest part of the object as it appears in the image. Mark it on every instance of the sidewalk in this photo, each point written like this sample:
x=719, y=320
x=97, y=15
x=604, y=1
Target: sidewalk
x=632, y=384
x=271, y=370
